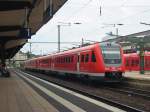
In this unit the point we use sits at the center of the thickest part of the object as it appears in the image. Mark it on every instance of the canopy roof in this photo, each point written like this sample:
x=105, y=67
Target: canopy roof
x=19, y=19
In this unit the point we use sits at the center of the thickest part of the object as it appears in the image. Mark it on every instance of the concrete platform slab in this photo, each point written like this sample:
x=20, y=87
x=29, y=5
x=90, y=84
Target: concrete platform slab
x=137, y=75
x=18, y=96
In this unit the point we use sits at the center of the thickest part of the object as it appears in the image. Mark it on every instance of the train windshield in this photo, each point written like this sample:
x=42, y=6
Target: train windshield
x=111, y=55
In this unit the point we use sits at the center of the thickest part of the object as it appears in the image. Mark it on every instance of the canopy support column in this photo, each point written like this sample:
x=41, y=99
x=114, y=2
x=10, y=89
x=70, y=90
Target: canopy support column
x=3, y=70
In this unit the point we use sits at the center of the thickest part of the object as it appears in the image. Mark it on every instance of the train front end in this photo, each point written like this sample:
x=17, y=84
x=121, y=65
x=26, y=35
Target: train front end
x=113, y=61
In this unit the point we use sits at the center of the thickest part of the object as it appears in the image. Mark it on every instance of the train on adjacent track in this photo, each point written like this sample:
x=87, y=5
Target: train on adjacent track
x=132, y=61
x=96, y=61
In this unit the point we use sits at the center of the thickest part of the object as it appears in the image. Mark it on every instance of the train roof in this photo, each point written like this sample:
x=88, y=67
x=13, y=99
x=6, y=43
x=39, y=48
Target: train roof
x=78, y=49
x=87, y=47
x=75, y=50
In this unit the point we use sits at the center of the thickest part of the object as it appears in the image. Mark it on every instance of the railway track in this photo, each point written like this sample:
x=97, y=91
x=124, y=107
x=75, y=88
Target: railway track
x=97, y=97
x=131, y=91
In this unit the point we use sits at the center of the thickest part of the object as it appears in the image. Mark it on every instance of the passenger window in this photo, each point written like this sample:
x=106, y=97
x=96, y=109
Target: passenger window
x=132, y=63
x=71, y=58
x=127, y=62
x=93, y=57
x=87, y=58
x=82, y=58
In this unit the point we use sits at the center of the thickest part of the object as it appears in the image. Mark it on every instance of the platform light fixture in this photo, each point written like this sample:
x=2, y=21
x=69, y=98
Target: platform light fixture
x=59, y=27
x=144, y=23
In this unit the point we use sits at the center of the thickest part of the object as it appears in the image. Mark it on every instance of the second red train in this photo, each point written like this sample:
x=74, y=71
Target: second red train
x=132, y=61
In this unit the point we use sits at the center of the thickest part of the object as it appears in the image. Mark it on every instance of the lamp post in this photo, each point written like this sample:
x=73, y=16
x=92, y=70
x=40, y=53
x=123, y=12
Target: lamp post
x=144, y=23
x=117, y=28
x=59, y=29
x=114, y=25
x=58, y=26
x=142, y=61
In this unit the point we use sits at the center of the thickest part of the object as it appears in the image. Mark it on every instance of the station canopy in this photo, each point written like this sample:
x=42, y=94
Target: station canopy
x=20, y=19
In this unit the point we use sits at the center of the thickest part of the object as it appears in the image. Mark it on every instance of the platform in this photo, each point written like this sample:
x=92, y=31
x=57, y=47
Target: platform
x=18, y=96
x=137, y=75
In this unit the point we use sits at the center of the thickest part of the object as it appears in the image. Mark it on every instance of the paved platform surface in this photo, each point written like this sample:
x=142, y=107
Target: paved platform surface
x=137, y=75
x=17, y=96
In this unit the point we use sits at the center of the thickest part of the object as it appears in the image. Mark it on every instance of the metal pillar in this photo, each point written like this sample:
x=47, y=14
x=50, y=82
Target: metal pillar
x=82, y=42
x=3, y=69
x=2, y=54
x=142, y=58
x=116, y=32
x=58, y=38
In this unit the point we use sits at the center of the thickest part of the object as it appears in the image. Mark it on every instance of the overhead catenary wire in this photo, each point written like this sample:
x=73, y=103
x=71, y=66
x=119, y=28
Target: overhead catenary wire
x=100, y=9
x=148, y=10
x=80, y=9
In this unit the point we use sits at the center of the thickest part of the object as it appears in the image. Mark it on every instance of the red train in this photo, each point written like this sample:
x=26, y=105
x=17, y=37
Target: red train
x=132, y=61
x=98, y=61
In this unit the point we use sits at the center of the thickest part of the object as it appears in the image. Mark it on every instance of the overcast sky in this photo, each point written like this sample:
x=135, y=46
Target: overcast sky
x=94, y=25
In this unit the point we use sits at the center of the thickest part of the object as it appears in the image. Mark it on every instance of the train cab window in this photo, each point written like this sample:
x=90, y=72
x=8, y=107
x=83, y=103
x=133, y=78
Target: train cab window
x=93, y=58
x=82, y=58
x=87, y=58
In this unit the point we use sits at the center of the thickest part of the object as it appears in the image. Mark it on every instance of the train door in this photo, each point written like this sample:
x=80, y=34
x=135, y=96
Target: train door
x=52, y=63
x=78, y=62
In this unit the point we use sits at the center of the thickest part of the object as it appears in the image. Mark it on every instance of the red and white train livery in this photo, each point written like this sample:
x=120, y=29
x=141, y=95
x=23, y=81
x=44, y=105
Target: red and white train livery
x=99, y=60
x=132, y=61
